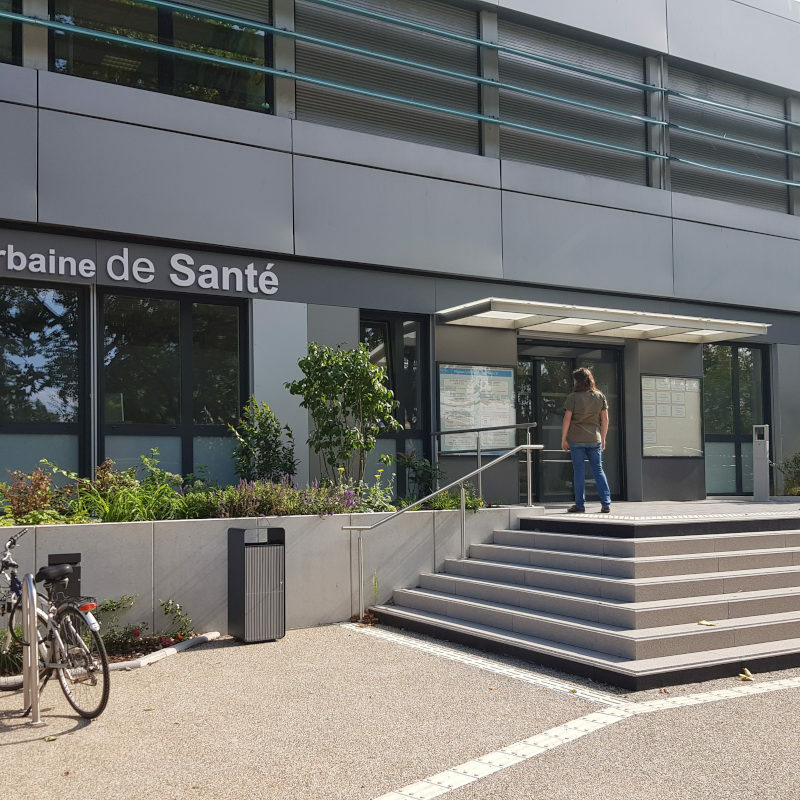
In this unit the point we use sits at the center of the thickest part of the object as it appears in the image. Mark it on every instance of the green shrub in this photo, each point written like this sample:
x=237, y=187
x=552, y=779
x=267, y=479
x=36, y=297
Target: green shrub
x=260, y=452
x=790, y=468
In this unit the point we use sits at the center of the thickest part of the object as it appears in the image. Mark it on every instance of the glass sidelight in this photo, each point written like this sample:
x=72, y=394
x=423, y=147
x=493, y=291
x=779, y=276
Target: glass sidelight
x=735, y=397
x=544, y=379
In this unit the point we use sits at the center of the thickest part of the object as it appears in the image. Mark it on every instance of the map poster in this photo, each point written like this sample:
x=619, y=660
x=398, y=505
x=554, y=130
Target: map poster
x=671, y=417
x=476, y=397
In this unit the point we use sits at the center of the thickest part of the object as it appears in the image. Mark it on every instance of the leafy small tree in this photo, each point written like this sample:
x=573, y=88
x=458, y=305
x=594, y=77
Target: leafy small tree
x=261, y=452
x=349, y=402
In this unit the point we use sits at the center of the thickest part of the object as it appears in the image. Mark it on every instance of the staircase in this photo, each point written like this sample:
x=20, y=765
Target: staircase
x=622, y=601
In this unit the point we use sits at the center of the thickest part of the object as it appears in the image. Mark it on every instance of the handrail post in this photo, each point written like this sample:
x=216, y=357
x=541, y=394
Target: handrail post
x=528, y=457
x=361, y=576
x=480, y=464
x=463, y=522
x=30, y=651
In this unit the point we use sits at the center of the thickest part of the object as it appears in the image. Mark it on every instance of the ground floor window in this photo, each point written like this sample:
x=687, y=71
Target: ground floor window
x=172, y=376
x=169, y=373
x=129, y=65
x=735, y=397
x=42, y=379
x=399, y=343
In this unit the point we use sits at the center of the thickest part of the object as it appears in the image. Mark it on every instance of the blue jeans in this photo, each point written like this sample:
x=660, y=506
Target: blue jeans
x=578, y=453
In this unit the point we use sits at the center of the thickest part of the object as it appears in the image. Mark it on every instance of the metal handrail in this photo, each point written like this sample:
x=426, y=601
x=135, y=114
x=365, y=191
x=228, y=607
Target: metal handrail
x=459, y=482
x=436, y=434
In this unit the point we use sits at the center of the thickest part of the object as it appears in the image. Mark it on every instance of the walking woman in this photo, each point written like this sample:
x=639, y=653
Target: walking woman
x=583, y=433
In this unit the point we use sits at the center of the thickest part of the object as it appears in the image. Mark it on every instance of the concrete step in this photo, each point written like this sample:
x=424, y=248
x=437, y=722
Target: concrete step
x=638, y=567
x=629, y=590
x=635, y=674
x=648, y=547
x=608, y=639
x=631, y=615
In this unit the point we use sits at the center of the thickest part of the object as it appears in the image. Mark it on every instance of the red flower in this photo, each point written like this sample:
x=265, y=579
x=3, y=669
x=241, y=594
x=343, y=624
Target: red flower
x=137, y=632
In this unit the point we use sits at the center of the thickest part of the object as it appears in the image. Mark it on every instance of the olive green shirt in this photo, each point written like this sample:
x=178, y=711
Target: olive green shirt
x=584, y=427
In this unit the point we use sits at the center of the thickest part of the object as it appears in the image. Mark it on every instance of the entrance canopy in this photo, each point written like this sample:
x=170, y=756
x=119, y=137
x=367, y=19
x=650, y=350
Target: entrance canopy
x=526, y=316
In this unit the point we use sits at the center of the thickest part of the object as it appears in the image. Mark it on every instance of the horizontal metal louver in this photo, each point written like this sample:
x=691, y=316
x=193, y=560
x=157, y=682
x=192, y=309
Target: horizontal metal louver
x=382, y=117
x=569, y=119
x=727, y=154
x=258, y=10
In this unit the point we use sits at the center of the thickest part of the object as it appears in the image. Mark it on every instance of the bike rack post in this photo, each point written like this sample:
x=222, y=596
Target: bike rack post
x=30, y=652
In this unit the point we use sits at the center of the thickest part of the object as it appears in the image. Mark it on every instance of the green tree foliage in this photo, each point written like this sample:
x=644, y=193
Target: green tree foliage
x=349, y=402
x=261, y=452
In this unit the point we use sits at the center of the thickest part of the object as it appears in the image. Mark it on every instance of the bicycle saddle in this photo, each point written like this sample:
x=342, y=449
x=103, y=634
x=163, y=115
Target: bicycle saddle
x=54, y=573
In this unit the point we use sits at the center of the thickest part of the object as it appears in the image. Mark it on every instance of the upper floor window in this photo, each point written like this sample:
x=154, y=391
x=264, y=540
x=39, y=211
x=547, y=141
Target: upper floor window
x=167, y=72
x=10, y=34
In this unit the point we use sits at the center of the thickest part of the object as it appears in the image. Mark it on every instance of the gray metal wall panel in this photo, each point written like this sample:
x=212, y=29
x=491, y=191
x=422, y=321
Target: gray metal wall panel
x=784, y=431
x=367, y=215
x=736, y=38
x=364, y=149
x=733, y=215
x=561, y=184
x=110, y=176
x=280, y=336
x=17, y=84
x=18, y=162
x=640, y=22
x=571, y=244
x=729, y=266
x=123, y=104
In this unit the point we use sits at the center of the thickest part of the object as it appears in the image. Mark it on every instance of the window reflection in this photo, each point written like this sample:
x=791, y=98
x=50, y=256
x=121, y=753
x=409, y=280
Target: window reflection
x=141, y=360
x=7, y=55
x=39, y=365
x=215, y=364
x=162, y=72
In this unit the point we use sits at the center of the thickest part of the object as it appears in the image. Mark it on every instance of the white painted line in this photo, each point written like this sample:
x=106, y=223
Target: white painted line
x=512, y=754
x=487, y=664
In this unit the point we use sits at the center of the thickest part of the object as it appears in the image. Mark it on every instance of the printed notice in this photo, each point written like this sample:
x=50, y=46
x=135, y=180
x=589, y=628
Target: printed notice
x=671, y=416
x=472, y=397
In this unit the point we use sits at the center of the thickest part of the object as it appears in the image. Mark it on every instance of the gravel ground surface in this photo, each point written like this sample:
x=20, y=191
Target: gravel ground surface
x=333, y=713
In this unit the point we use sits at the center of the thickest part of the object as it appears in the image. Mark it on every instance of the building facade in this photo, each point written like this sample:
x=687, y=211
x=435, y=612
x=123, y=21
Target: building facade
x=488, y=194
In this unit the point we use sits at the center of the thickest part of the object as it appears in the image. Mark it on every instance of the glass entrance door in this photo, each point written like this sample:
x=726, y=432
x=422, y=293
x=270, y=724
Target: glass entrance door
x=544, y=379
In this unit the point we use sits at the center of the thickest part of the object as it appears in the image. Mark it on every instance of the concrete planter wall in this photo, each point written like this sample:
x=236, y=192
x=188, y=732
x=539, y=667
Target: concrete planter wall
x=187, y=560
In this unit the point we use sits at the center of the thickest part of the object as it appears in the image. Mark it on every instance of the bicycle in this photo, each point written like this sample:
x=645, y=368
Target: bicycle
x=68, y=638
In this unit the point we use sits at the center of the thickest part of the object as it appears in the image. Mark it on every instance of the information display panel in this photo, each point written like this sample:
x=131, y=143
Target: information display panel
x=476, y=397
x=671, y=417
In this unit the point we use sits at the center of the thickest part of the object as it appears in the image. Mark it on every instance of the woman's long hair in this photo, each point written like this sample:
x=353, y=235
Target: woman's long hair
x=583, y=380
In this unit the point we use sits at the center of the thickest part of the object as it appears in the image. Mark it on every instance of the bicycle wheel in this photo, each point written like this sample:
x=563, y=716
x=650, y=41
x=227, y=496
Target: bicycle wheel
x=12, y=680
x=83, y=671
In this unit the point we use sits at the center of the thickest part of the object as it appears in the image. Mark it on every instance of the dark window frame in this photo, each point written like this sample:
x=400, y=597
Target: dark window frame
x=739, y=437
x=394, y=322
x=186, y=429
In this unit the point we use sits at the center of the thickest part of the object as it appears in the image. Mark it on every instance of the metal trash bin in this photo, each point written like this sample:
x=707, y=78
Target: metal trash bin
x=256, y=584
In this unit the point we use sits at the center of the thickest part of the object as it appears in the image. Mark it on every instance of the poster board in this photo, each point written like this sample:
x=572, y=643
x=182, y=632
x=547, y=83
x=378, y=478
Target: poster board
x=671, y=417
x=476, y=397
